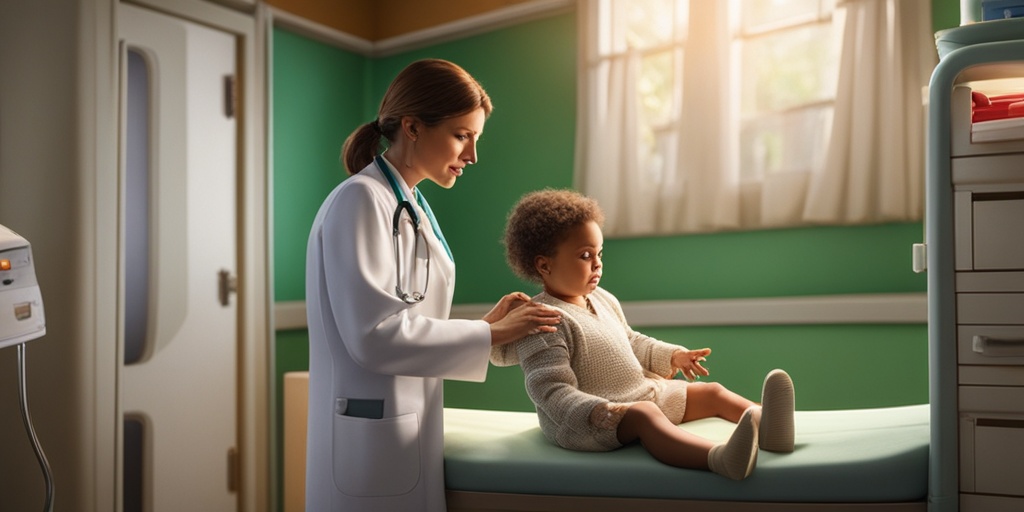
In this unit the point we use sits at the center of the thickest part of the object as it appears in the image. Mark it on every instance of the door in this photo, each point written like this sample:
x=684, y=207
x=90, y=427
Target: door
x=179, y=372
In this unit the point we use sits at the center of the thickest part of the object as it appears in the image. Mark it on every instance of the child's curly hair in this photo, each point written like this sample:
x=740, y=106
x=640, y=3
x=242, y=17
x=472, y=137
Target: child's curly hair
x=539, y=222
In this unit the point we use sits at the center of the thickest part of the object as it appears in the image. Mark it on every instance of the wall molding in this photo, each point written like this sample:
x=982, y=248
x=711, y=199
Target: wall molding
x=290, y=315
x=319, y=32
x=473, y=25
x=890, y=308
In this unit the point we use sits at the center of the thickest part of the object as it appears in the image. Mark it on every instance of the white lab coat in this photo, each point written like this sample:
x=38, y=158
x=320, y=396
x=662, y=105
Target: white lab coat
x=366, y=343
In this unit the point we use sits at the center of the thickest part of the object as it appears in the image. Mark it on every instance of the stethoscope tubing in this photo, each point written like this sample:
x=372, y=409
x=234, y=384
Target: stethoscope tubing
x=405, y=205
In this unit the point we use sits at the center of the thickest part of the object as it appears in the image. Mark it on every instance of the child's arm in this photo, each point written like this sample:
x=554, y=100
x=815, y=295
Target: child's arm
x=654, y=355
x=504, y=355
x=607, y=415
x=552, y=384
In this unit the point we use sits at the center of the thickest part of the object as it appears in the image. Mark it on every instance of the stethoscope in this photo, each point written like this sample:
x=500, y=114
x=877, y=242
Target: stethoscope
x=405, y=205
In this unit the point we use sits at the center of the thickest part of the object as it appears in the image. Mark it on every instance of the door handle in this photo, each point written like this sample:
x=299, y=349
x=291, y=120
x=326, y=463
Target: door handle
x=226, y=285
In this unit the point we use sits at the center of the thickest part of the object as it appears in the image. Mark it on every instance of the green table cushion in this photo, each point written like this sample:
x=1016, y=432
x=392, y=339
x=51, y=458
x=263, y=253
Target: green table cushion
x=862, y=455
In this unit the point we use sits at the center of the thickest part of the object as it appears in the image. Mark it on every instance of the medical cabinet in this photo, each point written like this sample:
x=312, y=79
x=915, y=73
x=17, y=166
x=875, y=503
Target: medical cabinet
x=975, y=255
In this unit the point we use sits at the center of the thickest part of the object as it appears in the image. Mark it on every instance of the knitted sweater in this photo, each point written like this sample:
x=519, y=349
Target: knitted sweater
x=591, y=359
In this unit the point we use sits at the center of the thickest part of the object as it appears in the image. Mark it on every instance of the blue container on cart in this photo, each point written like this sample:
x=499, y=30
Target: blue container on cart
x=1001, y=9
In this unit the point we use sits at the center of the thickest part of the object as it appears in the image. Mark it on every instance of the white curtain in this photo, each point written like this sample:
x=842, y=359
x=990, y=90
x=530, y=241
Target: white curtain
x=873, y=170
x=610, y=116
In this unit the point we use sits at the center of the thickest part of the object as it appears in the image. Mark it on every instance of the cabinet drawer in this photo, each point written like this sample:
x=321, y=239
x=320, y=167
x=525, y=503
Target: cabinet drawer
x=990, y=282
x=1001, y=168
x=974, y=503
x=991, y=375
x=990, y=344
x=992, y=455
x=990, y=308
x=998, y=238
x=992, y=400
x=987, y=228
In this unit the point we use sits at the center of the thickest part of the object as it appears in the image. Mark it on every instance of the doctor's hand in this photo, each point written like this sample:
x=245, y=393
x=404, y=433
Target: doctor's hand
x=688, y=361
x=516, y=316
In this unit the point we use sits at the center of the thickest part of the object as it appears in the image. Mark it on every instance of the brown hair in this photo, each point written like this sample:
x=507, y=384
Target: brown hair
x=539, y=222
x=430, y=90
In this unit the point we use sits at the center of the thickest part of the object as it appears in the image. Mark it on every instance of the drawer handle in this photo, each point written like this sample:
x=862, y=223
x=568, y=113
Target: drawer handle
x=993, y=347
x=999, y=423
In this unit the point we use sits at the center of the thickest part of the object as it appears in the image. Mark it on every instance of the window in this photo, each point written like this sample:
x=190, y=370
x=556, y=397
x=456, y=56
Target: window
x=702, y=115
x=786, y=64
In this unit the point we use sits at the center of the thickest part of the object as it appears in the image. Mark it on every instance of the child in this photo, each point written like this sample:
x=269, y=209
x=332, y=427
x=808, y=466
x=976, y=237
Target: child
x=596, y=383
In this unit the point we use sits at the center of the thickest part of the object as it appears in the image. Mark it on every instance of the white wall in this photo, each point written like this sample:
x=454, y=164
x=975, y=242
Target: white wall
x=45, y=196
x=58, y=188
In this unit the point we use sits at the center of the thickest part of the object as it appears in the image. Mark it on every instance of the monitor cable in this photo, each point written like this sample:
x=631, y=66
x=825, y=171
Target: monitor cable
x=40, y=456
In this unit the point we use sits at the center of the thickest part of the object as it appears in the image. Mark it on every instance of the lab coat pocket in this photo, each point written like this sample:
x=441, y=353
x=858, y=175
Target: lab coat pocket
x=376, y=457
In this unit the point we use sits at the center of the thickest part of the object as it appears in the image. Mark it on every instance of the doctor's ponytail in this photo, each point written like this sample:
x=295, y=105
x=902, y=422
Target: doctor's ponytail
x=361, y=147
x=431, y=90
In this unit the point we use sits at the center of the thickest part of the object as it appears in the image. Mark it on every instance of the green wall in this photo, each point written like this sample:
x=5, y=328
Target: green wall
x=320, y=94
x=318, y=97
x=530, y=73
x=833, y=366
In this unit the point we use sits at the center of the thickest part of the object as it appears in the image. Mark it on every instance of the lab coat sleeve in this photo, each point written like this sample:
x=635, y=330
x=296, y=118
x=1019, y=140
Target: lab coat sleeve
x=381, y=332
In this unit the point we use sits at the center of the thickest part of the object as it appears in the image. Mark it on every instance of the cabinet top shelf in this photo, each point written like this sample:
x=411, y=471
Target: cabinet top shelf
x=949, y=40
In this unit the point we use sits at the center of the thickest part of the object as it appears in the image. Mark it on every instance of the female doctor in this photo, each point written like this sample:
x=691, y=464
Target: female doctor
x=378, y=295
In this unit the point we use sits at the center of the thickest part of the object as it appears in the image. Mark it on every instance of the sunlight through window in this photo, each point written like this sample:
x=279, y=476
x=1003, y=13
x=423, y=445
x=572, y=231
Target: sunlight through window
x=699, y=115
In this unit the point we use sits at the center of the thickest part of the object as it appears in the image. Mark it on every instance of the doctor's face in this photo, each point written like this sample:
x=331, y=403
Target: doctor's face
x=443, y=151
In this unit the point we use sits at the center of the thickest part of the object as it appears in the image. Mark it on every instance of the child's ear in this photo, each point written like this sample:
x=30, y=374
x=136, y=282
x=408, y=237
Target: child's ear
x=542, y=265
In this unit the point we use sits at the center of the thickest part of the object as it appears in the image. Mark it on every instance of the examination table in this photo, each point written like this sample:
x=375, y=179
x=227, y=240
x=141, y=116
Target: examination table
x=870, y=460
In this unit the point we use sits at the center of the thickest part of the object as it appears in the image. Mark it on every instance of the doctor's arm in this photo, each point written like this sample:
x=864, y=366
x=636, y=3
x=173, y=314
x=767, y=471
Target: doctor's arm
x=516, y=316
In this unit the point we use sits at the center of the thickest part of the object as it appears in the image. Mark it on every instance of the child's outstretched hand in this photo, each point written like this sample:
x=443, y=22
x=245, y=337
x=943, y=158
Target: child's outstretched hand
x=688, y=362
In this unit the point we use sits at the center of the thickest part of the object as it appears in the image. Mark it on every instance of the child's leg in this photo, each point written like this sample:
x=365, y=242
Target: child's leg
x=667, y=442
x=673, y=446
x=711, y=399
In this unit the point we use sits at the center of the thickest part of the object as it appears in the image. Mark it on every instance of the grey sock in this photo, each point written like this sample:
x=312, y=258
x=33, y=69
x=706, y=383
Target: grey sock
x=778, y=401
x=736, y=457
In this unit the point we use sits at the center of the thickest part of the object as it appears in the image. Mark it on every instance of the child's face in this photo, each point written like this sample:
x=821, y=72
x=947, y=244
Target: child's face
x=575, y=269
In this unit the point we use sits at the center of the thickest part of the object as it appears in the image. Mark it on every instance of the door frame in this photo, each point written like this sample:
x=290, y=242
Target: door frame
x=99, y=85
